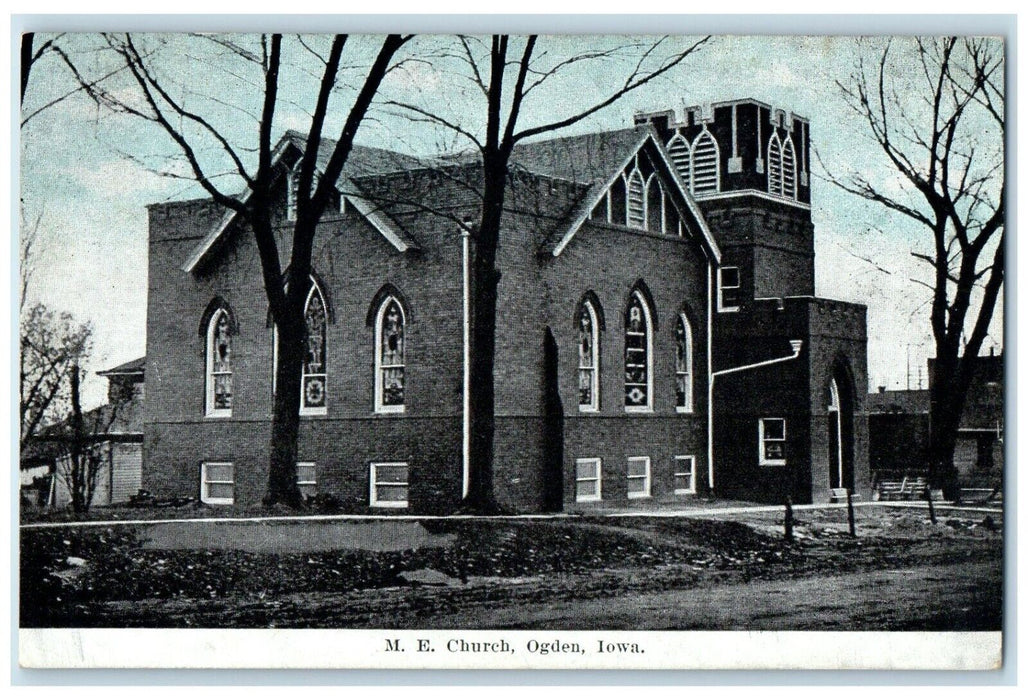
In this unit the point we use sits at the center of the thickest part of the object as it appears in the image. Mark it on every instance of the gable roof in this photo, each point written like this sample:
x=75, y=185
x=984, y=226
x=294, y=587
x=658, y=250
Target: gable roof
x=362, y=161
x=597, y=159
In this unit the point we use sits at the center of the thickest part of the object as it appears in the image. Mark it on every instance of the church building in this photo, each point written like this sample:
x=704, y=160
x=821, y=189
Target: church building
x=658, y=337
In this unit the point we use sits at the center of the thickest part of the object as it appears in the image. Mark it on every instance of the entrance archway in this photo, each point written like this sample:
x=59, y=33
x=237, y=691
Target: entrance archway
x=840, y=431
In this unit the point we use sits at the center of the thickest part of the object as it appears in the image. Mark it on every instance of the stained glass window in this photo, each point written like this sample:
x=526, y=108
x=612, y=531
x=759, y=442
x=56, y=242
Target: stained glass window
x=588, y=359
x=389, y=357
x=683, y=365
x=637, y=354
x=219, y=364
x=314, y=398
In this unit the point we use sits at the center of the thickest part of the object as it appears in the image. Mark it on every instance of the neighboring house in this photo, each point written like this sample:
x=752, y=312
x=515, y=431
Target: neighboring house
x=615, y=304
x=116, y=431
x=900, y=422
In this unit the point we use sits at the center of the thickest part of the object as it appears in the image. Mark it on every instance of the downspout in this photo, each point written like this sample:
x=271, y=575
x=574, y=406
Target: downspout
x=710, y=378
x=466, y=428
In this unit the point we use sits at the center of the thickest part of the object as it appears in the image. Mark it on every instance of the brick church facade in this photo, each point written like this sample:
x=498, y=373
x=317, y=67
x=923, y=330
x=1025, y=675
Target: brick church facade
x=654, y=282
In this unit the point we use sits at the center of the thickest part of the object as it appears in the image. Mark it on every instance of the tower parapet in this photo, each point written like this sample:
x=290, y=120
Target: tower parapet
x=740, y=146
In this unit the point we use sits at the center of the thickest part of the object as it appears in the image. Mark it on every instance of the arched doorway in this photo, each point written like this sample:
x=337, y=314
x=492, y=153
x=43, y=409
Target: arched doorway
x=840, y=431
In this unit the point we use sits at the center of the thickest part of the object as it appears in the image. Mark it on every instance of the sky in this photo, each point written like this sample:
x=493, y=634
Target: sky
x=87, y=175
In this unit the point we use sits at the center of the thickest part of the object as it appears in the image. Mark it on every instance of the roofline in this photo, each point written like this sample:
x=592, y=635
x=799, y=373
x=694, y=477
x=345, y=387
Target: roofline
x=598, y=190
x=123, y=373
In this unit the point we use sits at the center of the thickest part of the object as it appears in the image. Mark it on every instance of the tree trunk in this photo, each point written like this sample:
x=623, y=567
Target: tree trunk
x=485, y=283
x=950, y=380
x=285, y=418
x=77, y=484
x=553, y=427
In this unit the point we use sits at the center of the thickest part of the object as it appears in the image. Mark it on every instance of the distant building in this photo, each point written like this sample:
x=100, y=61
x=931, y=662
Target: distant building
x=900, y=422
x=116, y=430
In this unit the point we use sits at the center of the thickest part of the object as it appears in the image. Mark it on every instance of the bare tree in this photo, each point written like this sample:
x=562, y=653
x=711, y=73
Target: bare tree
x=942, y=132
x=81, y=443
x=505, y=71
x=196, y=136
x=51, y=345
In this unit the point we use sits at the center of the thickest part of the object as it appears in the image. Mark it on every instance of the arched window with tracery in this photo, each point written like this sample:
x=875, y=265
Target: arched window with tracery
x=678, y=149
x=390, y=366
x=683, y=365
x=588, y=358
x=219, y=364
x=638, y=354
x=774, y=166
x=706, y=171
x=314, y=399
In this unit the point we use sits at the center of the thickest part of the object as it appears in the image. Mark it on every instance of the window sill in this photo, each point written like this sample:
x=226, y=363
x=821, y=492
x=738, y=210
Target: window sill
x=313, y=412
x=393, y=505
x=390, y=410
x=216, y=415
x=729, y=310
x=638, y=496
x=773, y=463
x=638, y=409
x=685, y=492
x=588, y=409
x=590, y=499
x=684, y=411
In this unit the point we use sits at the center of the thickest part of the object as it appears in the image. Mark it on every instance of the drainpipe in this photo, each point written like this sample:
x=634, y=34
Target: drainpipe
x=797, y=346
x=710, y=380
x=466, y=428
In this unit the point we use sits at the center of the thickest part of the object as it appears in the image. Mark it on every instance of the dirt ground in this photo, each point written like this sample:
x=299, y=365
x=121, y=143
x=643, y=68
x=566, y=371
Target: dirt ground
x=726, y=572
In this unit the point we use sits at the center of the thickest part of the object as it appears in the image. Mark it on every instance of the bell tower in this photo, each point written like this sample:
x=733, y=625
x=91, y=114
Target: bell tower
x=746, y=163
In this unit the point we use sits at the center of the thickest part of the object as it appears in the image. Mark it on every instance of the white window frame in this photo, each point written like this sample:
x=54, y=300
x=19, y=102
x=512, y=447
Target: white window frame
x=648, y=318
x=704, y=135
x=678, y=459
x=373, y=481
x=647, y=477
x=688, y=373
x=761, y=440
x=306, y=410
x=594, y=406
x=721, y=306
x=209, y=409
x=205, y=497
x=587, y=498
x=314, y=468
x=292, y=183
x=380, y=407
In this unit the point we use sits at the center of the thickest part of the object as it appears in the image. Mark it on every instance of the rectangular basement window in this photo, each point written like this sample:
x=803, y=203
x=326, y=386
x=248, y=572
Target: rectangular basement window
x=217, y=483
x=685, y=474
x=306, y=479
x=638, y=477
x=390, y=484
x=588, y=478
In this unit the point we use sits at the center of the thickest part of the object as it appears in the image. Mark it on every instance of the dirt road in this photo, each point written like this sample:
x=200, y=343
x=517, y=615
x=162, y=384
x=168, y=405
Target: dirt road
x=963, y=596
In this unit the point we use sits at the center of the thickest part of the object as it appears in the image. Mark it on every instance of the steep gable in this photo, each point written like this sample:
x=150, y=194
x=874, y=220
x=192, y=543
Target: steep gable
x=599, y=160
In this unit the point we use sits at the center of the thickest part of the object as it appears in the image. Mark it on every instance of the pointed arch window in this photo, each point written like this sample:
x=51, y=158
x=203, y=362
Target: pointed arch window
x=683, y=365
x=774, y=166
x=788, y=169
x=292, y=187
x=678, y=149
x=654, y=205
x=390, y=366
x=314, y=386
x=636, y=199
x=588, y=358
x=219, y=364
x=706, y=175
x=638, y=354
